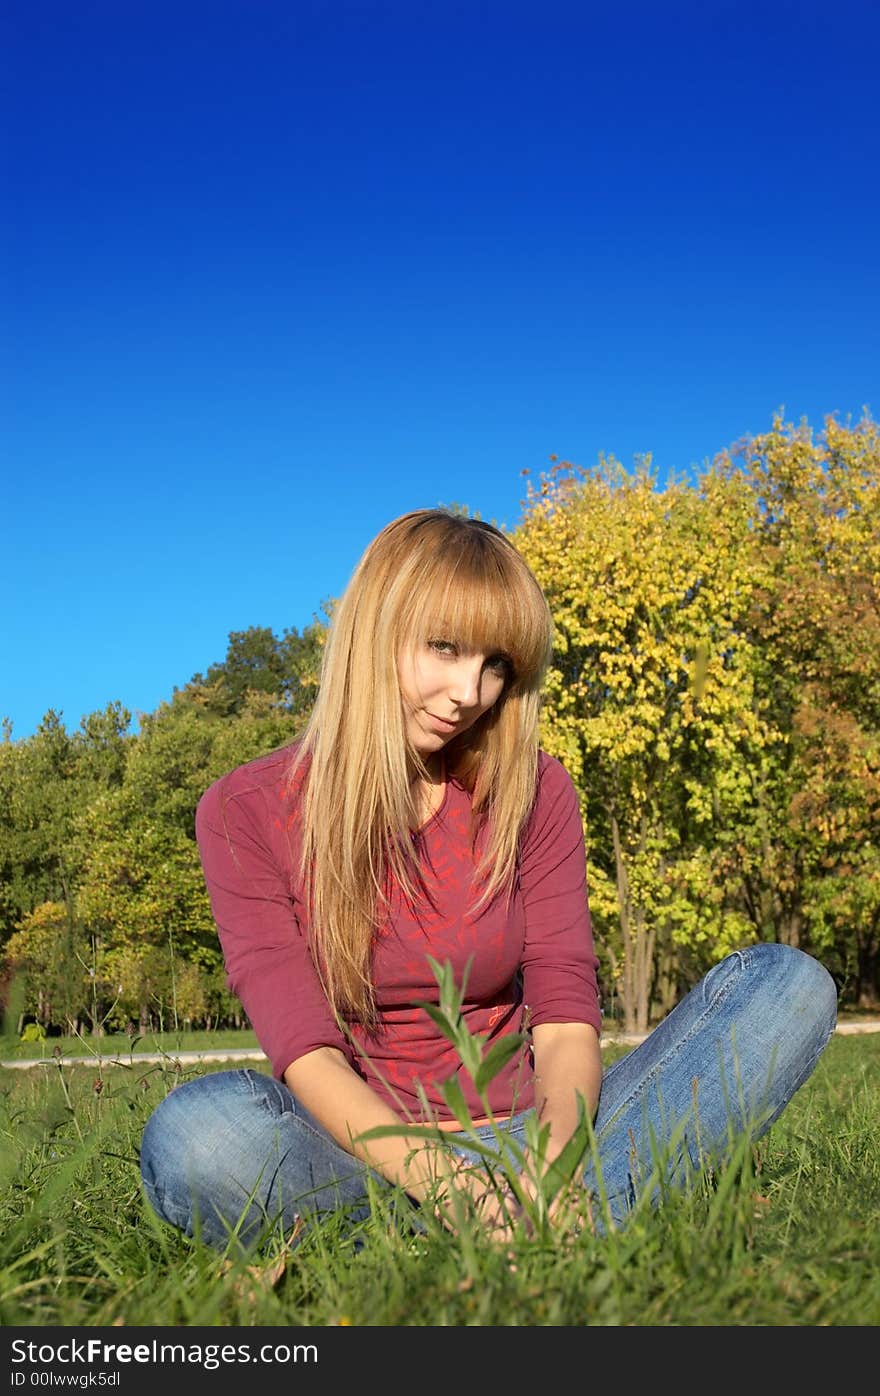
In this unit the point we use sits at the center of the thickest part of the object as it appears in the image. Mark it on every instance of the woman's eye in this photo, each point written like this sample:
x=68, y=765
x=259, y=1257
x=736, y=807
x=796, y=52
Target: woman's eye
x=500, y=663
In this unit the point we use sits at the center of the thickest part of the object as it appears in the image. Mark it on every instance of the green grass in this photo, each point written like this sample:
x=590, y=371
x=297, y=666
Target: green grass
x=791, y=1236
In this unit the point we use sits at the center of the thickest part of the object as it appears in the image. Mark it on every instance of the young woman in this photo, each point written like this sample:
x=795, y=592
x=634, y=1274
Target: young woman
x=417, y=820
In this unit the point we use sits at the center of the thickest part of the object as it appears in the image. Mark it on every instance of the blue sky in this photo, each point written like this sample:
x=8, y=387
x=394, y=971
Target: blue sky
x=274, y=273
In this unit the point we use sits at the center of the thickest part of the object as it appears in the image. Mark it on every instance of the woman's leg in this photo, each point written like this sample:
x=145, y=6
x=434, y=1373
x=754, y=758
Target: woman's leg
x=728, y=1059
x=232, y=1153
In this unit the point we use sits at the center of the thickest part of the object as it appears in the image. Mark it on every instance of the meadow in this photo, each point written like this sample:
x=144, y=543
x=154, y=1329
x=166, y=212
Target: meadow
x=787, y=1234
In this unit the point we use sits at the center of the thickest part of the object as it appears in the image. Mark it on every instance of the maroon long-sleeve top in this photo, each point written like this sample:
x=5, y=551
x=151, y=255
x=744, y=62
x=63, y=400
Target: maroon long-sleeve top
x=531, y=949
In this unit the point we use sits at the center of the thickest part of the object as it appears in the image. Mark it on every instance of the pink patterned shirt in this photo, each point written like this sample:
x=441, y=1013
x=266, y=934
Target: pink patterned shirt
x=532, y=951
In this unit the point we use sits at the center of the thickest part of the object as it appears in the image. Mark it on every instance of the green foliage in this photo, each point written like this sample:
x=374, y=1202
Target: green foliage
x=44, y=783
x=102, y=890
x=285, y=669
x=49, y=953
x=519, y=1177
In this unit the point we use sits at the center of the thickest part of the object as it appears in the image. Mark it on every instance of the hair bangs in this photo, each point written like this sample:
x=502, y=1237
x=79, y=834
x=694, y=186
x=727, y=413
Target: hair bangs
x=485, y=601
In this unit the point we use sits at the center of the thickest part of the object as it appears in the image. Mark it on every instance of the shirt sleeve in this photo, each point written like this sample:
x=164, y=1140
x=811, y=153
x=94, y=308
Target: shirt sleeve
x=267, y=958
x=559, y=965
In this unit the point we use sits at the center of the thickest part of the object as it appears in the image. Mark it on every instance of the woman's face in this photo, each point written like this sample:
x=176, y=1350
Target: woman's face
x=446, y=689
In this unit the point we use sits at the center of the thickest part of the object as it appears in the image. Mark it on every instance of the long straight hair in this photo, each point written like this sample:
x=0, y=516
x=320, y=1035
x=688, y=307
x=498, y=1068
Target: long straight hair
x=428, y=574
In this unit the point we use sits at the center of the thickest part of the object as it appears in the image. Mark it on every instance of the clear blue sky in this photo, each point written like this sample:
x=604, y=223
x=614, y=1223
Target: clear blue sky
x=276, y=271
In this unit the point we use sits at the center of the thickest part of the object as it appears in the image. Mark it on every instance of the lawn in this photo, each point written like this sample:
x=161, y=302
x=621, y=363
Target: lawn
x=789, y=1235
x=125, y=1045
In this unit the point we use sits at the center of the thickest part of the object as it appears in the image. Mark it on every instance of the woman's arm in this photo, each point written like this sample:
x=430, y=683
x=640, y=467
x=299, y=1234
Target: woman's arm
x=559, y=960
x=246, y=861
x=568, y=1069
x=334, y=1094
x=348, y=1108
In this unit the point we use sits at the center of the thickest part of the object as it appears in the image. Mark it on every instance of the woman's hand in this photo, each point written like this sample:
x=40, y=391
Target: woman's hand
x=471, y=1195
x=565, y=1210
x=504, y=1210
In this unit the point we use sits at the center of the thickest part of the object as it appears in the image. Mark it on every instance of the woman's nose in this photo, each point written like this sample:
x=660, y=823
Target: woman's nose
x=464, y=687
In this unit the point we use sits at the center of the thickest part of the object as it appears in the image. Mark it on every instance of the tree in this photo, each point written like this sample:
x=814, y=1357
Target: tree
x=807, y=852
x=258, y=661
x=142, y=893
x=50, y=952
x=649, y=703
x=45, y=781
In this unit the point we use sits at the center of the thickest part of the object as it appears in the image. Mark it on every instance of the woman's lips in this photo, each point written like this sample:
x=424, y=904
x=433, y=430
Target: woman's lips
x=443, y=723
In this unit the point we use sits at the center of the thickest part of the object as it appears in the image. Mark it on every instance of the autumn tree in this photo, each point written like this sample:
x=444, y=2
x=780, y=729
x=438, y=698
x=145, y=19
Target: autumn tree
x=649, y=704
x=807, y=853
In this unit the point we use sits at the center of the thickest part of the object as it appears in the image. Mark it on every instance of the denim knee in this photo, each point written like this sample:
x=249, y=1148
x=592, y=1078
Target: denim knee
x=792, y=1011
x=232, y=1154
x=206, y=1145
x=801, y=982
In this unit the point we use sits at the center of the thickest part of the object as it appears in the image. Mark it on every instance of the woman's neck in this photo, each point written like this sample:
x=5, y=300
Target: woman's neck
x=436, y=768
x=429, y=793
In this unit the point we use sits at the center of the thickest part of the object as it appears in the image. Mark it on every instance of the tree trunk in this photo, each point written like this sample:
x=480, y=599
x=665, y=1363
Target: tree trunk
x=868, y=961
x=628, y=986
x=790, y=925
x=644, y=952
x=638, y=941
x=666, y=985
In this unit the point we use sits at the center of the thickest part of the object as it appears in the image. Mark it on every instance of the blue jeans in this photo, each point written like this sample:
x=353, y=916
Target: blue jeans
x=233, y=1153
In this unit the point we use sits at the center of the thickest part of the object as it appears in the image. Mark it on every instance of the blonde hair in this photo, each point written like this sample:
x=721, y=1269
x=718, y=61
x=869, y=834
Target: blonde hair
x=427, y=574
